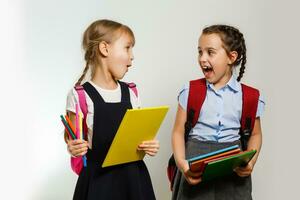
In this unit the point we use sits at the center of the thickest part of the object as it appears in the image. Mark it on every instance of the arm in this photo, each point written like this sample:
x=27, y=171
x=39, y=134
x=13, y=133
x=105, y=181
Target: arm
x=178, y=146
x=255, y=142
x=75, y=147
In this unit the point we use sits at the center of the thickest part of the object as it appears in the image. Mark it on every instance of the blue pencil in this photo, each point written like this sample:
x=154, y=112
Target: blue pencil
x=73, y=136
x=84, y=160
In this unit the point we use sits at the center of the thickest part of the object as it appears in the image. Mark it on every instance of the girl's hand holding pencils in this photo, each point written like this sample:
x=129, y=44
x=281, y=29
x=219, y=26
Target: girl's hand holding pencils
x=77, y=147
x=150, y=147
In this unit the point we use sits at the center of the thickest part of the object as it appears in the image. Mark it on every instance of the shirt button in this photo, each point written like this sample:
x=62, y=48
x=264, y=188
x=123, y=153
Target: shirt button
x=218, y=115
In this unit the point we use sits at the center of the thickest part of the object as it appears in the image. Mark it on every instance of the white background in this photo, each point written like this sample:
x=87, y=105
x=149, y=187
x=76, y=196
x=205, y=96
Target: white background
x=41, y=58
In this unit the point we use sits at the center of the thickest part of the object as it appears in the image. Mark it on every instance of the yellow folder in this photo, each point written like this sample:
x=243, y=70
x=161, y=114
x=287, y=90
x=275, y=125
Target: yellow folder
x=137, y=126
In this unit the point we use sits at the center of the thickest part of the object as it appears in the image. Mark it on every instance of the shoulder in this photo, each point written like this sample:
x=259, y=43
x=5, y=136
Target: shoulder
x=133, y=90
x=134, y=94
x=254, y=91
x=72, y=99
x=184, y=89
x=72, y=94
x=197, y=83
x=249, y=88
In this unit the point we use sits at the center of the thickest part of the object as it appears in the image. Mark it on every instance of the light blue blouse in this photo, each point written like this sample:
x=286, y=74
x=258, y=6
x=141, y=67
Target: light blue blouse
x=220, y=113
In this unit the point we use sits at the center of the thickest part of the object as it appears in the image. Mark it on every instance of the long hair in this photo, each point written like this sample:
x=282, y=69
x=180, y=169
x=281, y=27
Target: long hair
x=98, y=31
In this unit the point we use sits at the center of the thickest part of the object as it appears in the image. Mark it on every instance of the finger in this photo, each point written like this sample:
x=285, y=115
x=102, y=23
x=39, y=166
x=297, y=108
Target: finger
x=243, y=170
x=151, y=153
x=147, y=146
x=196, y=174
x=151, y=150
x=76, y=142
x=150, y=142
x=193, y=181
x=77, y=146
x=243, y=173
x=80, y=152
x=83, y=153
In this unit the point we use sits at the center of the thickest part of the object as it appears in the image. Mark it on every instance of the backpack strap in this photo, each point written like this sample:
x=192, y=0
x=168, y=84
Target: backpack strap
x=197, y=94
x=83, y=106
x=132, y=86
x=249, y=109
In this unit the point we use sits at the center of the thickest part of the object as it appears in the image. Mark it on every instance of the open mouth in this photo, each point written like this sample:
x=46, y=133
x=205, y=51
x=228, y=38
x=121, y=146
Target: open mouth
x=207, y=68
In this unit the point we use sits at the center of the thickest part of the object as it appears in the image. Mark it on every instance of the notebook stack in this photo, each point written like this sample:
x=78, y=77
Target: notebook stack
x=221, y=162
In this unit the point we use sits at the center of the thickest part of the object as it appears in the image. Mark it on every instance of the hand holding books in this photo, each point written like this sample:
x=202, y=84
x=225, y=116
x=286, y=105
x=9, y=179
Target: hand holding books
x=222, y=162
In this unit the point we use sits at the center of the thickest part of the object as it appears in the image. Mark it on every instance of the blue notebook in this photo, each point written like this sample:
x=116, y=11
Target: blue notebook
x=212, y=153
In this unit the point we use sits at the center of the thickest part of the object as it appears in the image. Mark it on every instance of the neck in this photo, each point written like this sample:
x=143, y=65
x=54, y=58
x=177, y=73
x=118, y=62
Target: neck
x=223, y=81
x=103, y=78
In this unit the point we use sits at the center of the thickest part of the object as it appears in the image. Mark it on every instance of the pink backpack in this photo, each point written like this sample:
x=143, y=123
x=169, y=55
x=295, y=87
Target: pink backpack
x=77, y=162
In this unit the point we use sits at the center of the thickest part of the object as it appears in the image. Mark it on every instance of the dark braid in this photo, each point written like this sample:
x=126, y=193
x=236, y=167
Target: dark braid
x=242, y=69
x=233, y=40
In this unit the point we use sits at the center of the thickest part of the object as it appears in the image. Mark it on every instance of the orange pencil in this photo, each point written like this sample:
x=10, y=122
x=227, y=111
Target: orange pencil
x=70, y=123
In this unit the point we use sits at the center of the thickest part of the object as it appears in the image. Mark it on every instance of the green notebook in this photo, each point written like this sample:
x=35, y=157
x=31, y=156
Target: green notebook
x=226, y=165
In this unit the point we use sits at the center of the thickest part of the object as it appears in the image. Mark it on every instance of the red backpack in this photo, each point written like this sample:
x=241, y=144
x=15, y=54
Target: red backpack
x=197, y=94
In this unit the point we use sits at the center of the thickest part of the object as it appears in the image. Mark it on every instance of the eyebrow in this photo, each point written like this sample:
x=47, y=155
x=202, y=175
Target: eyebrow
x=208, y=48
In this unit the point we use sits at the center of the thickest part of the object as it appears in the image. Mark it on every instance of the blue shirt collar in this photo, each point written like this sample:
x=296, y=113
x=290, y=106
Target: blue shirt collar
x=233, y=84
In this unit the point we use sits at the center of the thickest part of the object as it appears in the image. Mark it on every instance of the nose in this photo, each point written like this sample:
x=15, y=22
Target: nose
x=131, y=56
x=202, y=57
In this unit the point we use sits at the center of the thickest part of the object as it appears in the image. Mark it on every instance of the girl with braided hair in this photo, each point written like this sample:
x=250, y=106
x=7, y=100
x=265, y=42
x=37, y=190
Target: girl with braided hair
x=221, y=48
x=108, y=55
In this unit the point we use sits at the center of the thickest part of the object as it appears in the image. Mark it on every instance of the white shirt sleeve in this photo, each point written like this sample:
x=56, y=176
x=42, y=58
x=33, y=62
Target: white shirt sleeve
x=135, y=99
x=72, y=99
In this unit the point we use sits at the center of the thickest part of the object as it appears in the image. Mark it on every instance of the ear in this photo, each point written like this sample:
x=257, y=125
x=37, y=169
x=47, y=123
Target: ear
x=232, y=57
x=103, y=48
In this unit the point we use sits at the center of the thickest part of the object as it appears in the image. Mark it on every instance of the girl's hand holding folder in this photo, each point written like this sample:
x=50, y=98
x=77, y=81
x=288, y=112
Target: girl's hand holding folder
x=150, y=147
x=245, y=171
x=77, y=147
x=193, y=178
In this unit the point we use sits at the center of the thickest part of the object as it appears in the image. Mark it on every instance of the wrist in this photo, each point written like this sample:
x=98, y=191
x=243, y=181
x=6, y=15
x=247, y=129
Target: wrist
x=183, y=165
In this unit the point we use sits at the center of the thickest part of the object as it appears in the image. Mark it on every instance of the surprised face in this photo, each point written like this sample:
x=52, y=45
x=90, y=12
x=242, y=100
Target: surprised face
x=120, y=56
x=214, y=60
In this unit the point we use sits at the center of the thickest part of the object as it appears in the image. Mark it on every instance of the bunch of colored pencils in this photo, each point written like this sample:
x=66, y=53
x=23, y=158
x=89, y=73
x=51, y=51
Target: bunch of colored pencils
x=77, y=131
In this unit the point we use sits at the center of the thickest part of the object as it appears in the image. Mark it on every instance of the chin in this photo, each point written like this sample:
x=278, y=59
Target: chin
x=120, y=77
x=210, y=79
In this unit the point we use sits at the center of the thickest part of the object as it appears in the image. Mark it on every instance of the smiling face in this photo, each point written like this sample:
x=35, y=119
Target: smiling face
x=214, y=60
x=120, y=56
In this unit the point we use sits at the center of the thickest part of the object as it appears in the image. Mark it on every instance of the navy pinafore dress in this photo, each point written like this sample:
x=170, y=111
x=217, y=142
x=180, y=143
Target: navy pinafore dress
x=129, y=181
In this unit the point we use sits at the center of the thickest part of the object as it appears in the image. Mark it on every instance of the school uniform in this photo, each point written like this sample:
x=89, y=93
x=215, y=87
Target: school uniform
x=129, y=181
x=217, y=127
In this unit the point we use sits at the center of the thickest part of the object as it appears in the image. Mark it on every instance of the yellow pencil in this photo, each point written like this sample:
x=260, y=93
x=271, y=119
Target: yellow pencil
x=80, y=125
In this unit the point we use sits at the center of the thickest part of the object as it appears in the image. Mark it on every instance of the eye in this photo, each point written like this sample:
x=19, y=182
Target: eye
x=210, y=52
x=200, y=52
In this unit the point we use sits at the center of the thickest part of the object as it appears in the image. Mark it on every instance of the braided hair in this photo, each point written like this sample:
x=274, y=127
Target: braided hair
x=98, y=31
x=233, y=40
